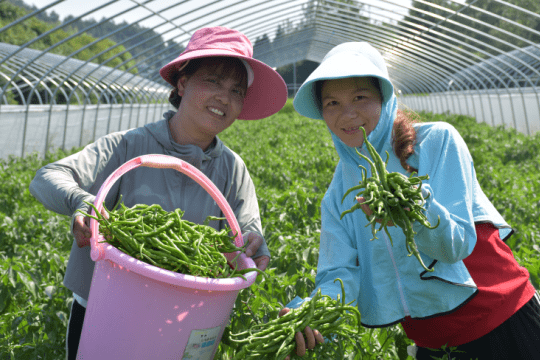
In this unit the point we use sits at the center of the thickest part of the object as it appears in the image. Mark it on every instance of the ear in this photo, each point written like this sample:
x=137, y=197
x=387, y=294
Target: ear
x=181, y=85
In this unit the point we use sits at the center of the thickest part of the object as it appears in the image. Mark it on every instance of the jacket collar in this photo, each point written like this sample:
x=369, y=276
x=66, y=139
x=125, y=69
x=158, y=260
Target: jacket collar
x=192, y=154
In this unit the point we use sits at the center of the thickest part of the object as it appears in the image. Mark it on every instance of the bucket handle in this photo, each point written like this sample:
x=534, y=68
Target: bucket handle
x=162, y=162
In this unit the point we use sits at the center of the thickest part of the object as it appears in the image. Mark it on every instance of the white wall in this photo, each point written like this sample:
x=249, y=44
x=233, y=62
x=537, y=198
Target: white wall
x=79, y=125
x=516, y=108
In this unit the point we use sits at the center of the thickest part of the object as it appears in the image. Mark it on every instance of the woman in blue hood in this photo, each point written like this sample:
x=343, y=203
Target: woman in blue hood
x=477, y=298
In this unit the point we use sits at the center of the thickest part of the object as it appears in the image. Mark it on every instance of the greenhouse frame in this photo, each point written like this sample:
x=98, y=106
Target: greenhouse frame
x=462, y=57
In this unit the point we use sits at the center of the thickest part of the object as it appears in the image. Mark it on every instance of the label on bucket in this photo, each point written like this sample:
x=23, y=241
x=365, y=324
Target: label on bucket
x=201, y=344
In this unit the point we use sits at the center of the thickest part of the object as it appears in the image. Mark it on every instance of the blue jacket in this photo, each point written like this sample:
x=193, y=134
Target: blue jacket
x=388, y=284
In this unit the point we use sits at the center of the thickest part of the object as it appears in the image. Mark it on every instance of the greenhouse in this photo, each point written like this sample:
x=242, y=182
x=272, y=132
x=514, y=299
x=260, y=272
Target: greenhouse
x=444, y=56
x=81, y=97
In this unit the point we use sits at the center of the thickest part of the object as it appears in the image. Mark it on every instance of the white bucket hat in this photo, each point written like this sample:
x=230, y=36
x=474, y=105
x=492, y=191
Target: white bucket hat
x=351, y=59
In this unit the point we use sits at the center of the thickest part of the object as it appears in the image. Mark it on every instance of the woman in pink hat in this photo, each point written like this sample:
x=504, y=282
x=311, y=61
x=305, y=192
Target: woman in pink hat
x=215, y=81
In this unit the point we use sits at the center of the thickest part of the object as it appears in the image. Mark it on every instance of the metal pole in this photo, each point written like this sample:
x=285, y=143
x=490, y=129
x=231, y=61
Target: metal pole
x=294, y=79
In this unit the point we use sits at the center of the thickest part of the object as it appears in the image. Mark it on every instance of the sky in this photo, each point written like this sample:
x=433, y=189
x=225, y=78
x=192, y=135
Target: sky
x=216, y=13
x=76, y=7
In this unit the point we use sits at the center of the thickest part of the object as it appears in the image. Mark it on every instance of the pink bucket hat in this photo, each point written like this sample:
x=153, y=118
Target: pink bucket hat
x=267, y=91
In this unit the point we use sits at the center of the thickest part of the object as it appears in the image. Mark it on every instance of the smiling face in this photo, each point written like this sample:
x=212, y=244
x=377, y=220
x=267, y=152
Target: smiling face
x=212, y=99
x=350, y=103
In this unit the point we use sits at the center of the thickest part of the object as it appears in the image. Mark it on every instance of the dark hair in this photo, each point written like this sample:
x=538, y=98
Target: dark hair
x=222, y=65
x=403, y=133
x=404, y=138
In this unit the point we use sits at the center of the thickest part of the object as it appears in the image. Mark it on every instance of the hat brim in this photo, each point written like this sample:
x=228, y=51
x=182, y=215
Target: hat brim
x=266, y=95
x=339, y=66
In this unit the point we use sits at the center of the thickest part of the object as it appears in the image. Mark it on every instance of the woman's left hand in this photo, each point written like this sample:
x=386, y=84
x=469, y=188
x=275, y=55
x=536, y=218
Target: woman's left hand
x=254, y=243
x=262, y=262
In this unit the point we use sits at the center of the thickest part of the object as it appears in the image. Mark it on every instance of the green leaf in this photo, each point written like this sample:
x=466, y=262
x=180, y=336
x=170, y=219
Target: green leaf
x=12, y=275
x=16, y=322
x=28, y=283
x=62, y=316
x=305, y=254
x=50, y=290
x=5, y=297
x=291, y=271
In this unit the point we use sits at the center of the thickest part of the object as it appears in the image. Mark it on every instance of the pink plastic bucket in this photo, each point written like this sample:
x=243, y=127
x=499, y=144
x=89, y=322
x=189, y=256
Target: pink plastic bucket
x=139, y=311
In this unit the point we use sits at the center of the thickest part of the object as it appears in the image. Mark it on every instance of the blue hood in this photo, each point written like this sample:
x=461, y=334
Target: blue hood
x=387, y=284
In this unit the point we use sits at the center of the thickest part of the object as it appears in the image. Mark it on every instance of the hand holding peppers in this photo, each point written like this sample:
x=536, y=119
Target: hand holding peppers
x=390, y=199
x=313, y=338
x=254, y=242
x=81, y=229
x=278, y=338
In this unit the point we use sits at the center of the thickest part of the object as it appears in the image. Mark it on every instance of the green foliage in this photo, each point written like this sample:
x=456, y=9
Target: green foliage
x=137, y=39
x=34, y=248
x=291, y=160
x=31, y=28
x=82, y=47
x=134, y=37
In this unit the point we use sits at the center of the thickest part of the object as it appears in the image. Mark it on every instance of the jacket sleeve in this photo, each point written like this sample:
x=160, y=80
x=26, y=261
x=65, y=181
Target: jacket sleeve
x=64, y=185
x=338, y=258
x=444, y=156
x=246, y=207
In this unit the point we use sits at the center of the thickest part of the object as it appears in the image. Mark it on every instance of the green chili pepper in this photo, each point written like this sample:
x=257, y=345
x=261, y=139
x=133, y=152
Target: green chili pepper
x=164, y=239
x=388, y=195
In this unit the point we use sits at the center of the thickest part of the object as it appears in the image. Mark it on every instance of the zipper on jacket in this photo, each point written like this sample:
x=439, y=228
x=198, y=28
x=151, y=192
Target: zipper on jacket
x=389, y=247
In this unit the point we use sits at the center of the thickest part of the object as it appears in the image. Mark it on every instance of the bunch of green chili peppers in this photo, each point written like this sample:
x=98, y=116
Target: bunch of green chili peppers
x=276, y=338
x=392, y=197
x=164, y=239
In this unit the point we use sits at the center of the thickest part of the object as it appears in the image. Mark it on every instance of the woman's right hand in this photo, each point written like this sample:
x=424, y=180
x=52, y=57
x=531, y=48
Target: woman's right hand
x=368, y=211
x=313, y=337
x=81, y=229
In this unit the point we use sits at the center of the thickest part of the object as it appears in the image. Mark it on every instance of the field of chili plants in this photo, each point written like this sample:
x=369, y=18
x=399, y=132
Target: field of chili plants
x=291, y=160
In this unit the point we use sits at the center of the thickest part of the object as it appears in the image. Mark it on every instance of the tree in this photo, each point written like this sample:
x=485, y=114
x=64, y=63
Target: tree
x=261, y=43
x=340, y=10
x=518, y=16
x=52, y=18
x=466, y=29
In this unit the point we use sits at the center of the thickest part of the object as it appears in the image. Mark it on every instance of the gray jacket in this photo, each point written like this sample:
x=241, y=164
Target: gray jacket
x=62, y=186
